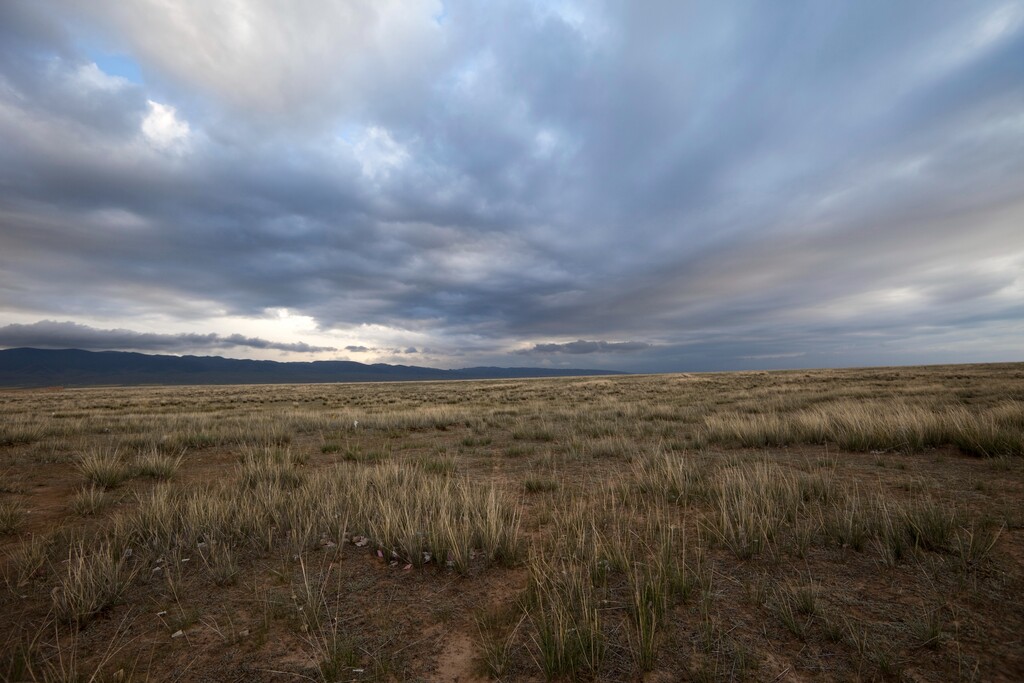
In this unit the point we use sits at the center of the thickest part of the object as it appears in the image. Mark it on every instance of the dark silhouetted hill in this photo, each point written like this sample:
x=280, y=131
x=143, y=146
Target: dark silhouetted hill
x=73, y=367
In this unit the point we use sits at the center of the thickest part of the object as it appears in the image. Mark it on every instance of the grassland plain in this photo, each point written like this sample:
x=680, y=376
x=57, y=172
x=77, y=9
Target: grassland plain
x=801, y=525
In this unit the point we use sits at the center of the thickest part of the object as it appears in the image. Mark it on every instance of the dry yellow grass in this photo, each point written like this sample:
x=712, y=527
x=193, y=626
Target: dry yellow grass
x=834, y=524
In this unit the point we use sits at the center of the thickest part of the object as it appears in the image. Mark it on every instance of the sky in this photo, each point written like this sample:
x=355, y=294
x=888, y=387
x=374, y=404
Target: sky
x=648, y=187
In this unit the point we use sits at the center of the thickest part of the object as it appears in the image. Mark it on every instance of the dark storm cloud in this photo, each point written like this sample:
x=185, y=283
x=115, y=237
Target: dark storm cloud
x=580, y=346
x=733, y=183
x=51, y=334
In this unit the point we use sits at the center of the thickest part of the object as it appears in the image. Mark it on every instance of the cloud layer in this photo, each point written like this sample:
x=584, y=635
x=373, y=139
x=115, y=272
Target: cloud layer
x=723, y=185
x=50, y=334
x=580, y=347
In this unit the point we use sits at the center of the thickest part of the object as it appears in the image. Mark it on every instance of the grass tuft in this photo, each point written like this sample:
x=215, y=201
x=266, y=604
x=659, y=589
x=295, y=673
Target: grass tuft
x=157, y=465
x=104, y=467
x=568, y=629
x=91, y=500
x=496, y=630
x=930, y=524
x=91, y=582
x=11, y=517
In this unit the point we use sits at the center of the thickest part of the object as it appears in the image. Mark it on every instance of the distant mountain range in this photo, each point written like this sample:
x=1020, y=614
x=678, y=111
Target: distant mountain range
x=74, y=367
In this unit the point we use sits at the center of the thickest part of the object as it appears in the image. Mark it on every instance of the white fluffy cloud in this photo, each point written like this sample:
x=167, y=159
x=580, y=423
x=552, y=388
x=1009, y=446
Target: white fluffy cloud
x=378, y=153
x=163, y=129
x=91, y=77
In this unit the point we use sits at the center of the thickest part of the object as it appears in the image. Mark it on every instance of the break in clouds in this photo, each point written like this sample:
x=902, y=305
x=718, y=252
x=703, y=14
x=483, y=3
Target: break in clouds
x=665, y=186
